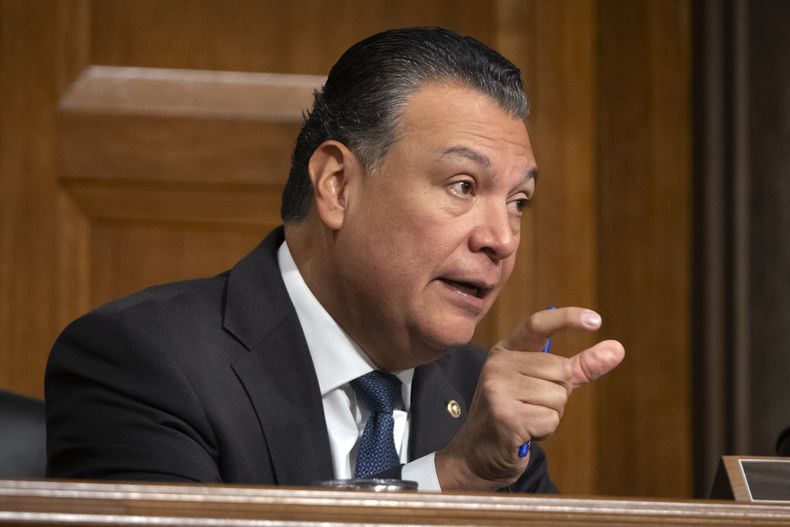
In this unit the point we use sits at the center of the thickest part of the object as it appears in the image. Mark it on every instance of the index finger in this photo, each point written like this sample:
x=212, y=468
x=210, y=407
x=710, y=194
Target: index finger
x=532, y=334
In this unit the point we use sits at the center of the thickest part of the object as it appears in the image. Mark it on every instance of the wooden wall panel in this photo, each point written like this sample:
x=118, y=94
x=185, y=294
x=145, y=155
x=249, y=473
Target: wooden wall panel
x=566, y=251
x=39, y=55
x=124, y=253
x=192, y=161
x=304, y=36
x=218, y=127
x=557, y=258
x=644, y=243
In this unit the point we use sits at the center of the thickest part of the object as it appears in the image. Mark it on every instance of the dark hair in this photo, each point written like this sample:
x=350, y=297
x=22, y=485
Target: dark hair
x=367, y=88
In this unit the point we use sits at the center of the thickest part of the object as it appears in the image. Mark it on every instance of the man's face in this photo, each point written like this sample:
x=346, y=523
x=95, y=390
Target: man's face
x=429, y=240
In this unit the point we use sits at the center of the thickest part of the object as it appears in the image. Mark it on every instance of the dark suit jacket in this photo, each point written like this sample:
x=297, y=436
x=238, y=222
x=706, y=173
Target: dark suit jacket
x=211, y=380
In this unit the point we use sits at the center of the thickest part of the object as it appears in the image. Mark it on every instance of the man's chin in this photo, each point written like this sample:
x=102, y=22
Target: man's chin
x=447, y=336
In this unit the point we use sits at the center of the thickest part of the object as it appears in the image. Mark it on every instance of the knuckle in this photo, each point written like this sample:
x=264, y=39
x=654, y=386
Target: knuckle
x=564, y=395
x=490, y=387
x=503, y=414
x=495, y=361
x=566, y=370
x=560, y=397
x=554, y=420
x=547, y=423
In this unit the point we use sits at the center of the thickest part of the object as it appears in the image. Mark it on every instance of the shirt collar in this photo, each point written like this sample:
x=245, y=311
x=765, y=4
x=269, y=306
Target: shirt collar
x=336, y=357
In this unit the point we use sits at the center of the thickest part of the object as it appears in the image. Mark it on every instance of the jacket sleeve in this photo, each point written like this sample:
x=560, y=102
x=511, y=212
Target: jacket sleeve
x=536, y=478
x=118, y=408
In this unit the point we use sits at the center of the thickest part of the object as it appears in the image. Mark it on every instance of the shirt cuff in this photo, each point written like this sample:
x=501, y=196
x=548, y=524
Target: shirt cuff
x=423, y=471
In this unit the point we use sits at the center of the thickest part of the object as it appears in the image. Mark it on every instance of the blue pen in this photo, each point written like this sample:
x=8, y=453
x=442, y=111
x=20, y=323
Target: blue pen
x=523, y=450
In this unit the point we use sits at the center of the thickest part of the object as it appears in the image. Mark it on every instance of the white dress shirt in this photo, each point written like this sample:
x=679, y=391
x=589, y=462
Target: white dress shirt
x=338, y=360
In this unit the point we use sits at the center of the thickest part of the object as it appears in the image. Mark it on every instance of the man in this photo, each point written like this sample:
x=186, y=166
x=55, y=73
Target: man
x=401, y=224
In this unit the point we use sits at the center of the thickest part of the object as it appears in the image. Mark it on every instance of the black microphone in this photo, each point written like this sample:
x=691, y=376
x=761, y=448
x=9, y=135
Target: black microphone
x=783, y=443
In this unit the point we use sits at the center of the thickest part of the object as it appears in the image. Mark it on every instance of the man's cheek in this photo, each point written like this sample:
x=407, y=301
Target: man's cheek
x=507, y=270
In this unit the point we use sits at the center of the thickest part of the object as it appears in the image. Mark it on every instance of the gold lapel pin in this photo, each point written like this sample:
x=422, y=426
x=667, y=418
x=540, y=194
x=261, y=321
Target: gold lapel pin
x=454, y=409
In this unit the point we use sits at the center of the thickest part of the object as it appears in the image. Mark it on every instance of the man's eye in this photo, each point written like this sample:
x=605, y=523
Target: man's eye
x=519, y=205
x=463, y=188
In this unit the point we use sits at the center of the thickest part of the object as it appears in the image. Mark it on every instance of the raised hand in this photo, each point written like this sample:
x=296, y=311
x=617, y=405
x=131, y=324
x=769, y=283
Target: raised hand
x=521, y=395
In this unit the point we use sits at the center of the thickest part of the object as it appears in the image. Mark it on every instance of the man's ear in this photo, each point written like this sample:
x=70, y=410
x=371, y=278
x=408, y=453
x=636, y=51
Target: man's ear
x=332, y=169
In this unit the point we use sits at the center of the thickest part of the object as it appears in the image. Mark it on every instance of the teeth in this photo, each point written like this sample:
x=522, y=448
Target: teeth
x=466, y=288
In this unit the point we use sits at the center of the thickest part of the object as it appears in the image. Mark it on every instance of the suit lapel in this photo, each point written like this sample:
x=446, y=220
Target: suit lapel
x=278, y=373
x=282, y=386
x=432, y=426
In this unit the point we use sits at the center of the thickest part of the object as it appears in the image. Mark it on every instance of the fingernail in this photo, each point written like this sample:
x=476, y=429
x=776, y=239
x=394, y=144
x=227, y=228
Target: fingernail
x=591, y=319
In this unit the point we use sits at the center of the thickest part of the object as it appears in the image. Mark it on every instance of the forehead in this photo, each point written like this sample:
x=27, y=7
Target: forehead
x=464, y=122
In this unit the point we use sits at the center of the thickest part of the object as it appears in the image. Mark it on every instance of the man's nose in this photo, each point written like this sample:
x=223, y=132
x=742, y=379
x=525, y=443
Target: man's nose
x=495, y=234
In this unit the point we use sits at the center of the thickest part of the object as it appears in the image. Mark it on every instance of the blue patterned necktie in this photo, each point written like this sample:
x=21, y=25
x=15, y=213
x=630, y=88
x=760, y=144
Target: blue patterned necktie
x=376, y=453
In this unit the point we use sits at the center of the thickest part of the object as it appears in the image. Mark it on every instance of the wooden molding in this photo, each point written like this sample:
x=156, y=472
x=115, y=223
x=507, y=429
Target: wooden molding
x=159, y=92
x=60, y=503
x=169, y=144
x=251, y=205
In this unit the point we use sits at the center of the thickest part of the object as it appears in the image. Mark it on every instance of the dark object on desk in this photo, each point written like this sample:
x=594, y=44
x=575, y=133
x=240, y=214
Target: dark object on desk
x=753, y=479
x=23, y=437
x=767, y=479
x=783, y=443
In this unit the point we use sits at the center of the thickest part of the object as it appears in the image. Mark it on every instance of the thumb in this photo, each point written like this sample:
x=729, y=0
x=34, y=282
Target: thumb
x=596, y=361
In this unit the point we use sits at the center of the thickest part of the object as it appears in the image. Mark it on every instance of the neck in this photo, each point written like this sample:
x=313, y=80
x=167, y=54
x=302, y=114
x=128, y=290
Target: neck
x=312, y=248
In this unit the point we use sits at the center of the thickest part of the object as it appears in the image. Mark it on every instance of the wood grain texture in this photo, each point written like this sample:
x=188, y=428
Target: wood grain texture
x=230, y=205
x=305, y=36
x=191, y=93
x=566, y=245
x=553, y=44
x=644, y=237
x=180, y=125
x=61, y=503
x=177, y=172
x=40, y=48
x=127, y=253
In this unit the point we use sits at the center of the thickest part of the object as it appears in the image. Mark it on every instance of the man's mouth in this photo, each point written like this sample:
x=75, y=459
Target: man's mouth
x=468, y=288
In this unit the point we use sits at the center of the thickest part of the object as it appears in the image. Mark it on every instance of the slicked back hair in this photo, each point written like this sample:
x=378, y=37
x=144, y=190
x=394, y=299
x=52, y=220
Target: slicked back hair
x=366, y=91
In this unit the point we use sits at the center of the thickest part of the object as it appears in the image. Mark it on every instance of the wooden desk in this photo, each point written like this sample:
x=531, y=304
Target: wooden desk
x=48, y=503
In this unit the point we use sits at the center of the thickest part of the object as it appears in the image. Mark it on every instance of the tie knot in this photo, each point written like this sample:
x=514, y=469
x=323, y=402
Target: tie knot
x=378, y=390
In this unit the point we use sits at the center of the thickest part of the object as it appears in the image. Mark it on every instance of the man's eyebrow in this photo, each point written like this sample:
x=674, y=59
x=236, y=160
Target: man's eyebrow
x=483, y=160
x=468, y=153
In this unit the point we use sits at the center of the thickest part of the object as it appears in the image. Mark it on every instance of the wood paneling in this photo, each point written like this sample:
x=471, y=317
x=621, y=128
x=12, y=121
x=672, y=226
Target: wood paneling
x=180, y=146
x=124, y=253
x=644, y=244
x=304, y=36
x=557, y=258
x=184, y=126
x=232, y=205
x=177, y=173
x=41, y=50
